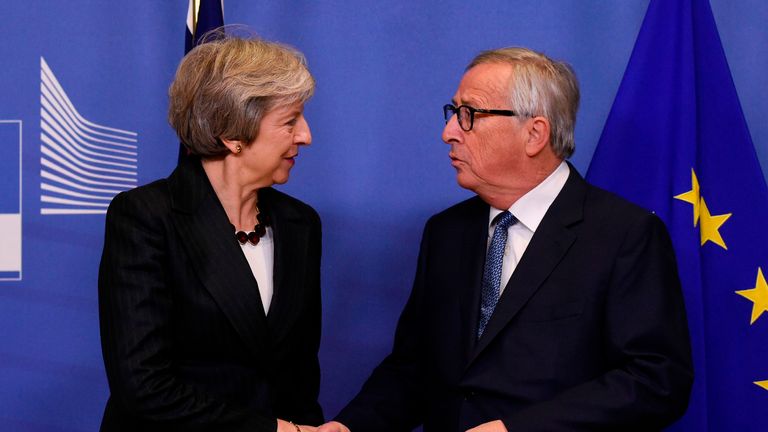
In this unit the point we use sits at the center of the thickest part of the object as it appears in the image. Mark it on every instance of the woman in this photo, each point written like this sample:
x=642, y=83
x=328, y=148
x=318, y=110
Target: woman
x=209, y=284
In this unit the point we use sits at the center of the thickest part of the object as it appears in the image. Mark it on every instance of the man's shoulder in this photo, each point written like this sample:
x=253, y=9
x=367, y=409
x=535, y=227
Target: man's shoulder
x=599, y=200
x=610, y=213
x=468, y=209
x=577, y=191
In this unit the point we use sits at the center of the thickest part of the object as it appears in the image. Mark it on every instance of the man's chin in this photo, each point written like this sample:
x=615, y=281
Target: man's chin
x=466, y=183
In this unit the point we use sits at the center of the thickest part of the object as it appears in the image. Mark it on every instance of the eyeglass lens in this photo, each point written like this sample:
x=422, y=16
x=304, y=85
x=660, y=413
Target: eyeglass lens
x=464, y=114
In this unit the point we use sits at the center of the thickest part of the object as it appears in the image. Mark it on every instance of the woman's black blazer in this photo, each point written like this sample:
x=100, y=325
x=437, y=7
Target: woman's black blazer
x=185, y=340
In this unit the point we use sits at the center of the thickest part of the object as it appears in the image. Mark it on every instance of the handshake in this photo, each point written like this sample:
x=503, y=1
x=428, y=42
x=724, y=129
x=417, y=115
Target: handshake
x=284, y=426
x=332, y=426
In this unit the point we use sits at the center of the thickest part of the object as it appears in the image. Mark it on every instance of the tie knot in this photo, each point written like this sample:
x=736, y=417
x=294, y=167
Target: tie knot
x=504, y=220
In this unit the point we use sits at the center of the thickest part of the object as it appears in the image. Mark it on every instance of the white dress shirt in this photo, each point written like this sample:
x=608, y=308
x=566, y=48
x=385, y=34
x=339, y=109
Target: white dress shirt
x=261, y=258
x=529, y=210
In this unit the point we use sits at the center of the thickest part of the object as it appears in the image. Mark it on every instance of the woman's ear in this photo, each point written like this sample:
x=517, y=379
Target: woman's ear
x=234, y=146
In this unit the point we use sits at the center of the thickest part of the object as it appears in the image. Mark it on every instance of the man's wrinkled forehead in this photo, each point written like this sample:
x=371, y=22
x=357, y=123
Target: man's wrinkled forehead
x=485, y=83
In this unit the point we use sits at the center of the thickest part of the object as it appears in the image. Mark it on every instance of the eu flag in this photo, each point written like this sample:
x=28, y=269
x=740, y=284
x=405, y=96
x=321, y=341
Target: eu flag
x=202, y=17
x=676, y=142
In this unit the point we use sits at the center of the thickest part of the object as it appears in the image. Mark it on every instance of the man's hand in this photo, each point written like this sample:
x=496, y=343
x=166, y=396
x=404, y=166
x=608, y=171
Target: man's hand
x=333, y=427
x=494, y=426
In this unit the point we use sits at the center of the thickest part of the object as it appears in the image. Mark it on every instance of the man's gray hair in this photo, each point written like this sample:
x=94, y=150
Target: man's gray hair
x=541, y=87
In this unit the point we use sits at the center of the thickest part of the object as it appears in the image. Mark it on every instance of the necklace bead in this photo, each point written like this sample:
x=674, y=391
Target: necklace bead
x=259, y=231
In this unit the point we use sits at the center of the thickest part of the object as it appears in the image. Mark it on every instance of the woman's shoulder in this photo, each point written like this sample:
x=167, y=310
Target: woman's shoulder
x=286, y=205
x=152, y=198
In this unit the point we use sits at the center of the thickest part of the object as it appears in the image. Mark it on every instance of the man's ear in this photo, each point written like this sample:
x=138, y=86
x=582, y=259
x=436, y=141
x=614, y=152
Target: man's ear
x=538, y=135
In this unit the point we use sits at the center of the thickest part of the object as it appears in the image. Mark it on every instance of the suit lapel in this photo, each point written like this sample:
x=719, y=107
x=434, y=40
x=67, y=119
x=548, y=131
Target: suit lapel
x=548, y=246
x=214, y=254
x=291, y=241
x=473, y=241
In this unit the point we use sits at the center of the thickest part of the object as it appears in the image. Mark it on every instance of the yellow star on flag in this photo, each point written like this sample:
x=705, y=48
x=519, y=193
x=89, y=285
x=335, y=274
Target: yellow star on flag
x=692, y=196
x=710, y=225
x=759, y=297
x=763, y=384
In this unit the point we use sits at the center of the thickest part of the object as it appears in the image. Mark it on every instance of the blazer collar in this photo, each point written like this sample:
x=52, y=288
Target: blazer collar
x=207, y=236
x=548, y=246
x=291, y=234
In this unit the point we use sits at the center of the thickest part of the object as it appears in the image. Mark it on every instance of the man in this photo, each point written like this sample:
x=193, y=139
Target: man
x=541, y=304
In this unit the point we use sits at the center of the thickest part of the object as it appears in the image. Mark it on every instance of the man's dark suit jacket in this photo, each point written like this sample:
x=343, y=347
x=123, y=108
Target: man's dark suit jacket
x=186, y=342
x=589, y=334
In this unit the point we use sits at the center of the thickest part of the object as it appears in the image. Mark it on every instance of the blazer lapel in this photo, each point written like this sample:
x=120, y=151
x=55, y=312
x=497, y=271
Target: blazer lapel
x=214, y=254
x=549, y=244
x=291, y=239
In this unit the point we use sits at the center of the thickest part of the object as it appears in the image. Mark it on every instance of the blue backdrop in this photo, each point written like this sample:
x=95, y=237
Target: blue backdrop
x=90, y=76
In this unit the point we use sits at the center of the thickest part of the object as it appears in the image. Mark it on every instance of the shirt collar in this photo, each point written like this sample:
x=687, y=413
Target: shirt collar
x=530, y=208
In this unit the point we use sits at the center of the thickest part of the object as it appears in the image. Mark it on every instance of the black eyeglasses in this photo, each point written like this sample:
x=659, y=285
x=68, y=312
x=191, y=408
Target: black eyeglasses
x=466, y=114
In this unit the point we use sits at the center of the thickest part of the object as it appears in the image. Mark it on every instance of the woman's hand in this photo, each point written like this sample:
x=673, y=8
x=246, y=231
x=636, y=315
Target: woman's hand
x=284, y=426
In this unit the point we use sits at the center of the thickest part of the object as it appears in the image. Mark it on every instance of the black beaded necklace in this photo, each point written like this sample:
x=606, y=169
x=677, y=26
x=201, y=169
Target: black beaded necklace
x=253, y=237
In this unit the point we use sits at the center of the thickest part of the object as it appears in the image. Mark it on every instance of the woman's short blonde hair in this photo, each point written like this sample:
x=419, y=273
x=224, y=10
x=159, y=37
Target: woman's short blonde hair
x=541, y=87
x=225, y=86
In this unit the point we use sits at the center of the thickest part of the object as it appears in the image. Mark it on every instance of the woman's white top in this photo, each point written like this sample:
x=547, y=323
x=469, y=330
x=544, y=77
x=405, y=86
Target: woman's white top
x=261, y=259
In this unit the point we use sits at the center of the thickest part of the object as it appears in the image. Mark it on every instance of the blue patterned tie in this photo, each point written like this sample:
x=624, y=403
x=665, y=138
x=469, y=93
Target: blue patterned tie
x=492, y=271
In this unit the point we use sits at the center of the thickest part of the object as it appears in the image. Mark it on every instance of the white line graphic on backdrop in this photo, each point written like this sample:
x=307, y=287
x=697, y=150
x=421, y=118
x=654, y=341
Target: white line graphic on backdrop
x=83, y=164
x=10, y=223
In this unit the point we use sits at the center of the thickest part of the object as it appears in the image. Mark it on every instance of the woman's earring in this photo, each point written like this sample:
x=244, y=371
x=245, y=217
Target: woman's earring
x=238, y=148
